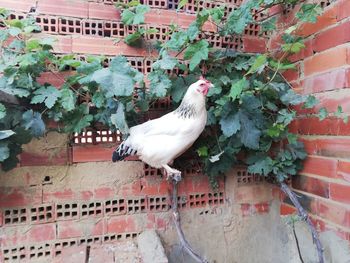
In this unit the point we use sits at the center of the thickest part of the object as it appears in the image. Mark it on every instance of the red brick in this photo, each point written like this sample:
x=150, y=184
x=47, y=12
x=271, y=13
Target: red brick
x=336, y=79
x=311, y=185
x=95, y=153
x=63, y=8
x=253, y=194
x=343, y=170
x=101, y=254
x=327, y=60
x=333, y=37
x=121, y=224
x=20, y=6
x=312, y=125
x=30, y=159
x=64, y=194
x=328, y=18
x=29, y=234
x=334, y=212
x=343, y=9
x=101, y=11
x=81, y=228
x=254, y=45
x=287, y=209
x=63, y=44
x=71, y=254
x=20, y=196
x=104, y=193
x=330, y=146
x=340, y=192
x=320, y=166
x=262, y=208
x=292, y=74
x=54, y=79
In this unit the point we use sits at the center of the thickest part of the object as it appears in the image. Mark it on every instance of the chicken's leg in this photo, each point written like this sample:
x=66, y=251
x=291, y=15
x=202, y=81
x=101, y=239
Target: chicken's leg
x=172, y=173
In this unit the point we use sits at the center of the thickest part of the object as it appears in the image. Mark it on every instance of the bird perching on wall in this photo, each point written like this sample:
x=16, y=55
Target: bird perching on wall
x=158, y=142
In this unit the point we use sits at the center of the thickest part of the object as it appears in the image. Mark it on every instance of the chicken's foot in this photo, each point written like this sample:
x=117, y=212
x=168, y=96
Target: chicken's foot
x=172, y=174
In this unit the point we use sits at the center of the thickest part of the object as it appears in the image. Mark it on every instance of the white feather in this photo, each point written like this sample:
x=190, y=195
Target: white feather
x=160, y=141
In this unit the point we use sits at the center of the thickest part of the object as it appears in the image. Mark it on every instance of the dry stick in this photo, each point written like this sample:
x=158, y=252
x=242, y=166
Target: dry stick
x=176, y=217
x=302, y=213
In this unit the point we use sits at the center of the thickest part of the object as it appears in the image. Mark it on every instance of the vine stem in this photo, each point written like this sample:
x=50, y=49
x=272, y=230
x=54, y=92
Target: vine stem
x=303, y=214
x=176, y=217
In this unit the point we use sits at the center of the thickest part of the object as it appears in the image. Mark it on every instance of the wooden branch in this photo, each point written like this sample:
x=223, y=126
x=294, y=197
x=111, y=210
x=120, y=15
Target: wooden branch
x=176, y=217
x=303, y=214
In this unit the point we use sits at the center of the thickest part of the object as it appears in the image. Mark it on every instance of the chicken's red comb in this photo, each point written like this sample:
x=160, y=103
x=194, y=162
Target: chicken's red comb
x=203, y=78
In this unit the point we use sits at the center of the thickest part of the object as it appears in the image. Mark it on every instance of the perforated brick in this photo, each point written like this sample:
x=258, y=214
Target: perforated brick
x=234, y=2
x=287, y=8
x=18, y=16
x=197, y=200
x=70, y=26
x=161, y=4
x=194, y=168
x=110, y=238
x=137, y=63
x=148, y=65
x=91, y=209
x=215, y=40
x=173, y=4
x=162, y=34
x=39, y=252
x=93, y=28
x=48, y=24
x=193, y=6
x=232, y=43
x=114, y=29
x=15, y=216
x=158, y=203
x=14, y=254
x=101, y=135
x=216, y=198
x=150, y=171
x=136, y=205
x=325, y=3
x=59, y=245
x=181, y=202
x=41, y=214
x=90, y=240
x=252, y=30
x=243, y=177
x=67, y=211
x=115, y=207
x=229, y=9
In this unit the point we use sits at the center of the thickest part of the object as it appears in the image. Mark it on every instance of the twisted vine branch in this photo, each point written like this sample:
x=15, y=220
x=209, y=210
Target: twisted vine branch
x=303, y=214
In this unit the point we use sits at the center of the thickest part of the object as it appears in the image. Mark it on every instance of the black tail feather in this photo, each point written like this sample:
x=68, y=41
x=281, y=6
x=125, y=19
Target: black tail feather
x=122, y=152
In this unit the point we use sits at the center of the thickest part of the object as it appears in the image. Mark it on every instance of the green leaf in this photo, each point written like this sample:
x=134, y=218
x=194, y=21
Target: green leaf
x=2, y=111
x=249, y=133
x=160, y=83
x=33, y=122
x=293, y=47
x=177, y=40
x=14, y=31
x=322, y=114
x=230, y=124
x=166, y=62
x=48, y=95
x=310, y=102
x=285, y=116
x=202, y=151
x=119, y=121
x=98, y=99
x=258, y=65
x=292, y=98
x=11, y=89
x=269, y=24
x=237, y=88
x=181, y=4
x=118, y=80
x=309, y=13
x=196, y=53
x=136, y=16
x=133, y=39
x=4, y=151
x=32, y=44
x=262, y=166
x=67, y=99
x=6, y=133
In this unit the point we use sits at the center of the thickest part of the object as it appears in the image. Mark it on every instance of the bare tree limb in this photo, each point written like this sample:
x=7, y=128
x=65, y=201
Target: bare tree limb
x=176, y=217
x=303, y=214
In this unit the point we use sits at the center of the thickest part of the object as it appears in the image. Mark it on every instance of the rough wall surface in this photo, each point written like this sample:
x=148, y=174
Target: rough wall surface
x=324, y=70
x=52, y=212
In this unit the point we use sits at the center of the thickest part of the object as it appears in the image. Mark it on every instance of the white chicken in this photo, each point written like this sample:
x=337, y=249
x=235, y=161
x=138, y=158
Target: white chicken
x=158, y=142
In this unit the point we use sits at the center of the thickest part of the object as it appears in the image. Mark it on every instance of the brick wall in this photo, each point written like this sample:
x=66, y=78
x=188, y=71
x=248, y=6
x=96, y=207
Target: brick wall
x=324, y=70
x=48, y=207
